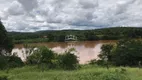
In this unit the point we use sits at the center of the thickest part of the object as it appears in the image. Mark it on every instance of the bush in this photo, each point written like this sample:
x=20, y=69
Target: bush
x=127, y=53
x=14, y=61
x=92, y=62
x=10, y=62
x=118, y=74
x=68, y=60
x=34, y=58
x=3, y=78
x=113, y=76
x=3, y=62
x=44, y=57
x=124, y=53
x=97, y=62
x=47, y=59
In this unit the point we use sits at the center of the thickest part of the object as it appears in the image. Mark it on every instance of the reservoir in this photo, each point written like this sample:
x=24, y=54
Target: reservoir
x=85, y=50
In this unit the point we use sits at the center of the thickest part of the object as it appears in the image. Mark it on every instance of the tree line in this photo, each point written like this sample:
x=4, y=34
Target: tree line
x=82, y=35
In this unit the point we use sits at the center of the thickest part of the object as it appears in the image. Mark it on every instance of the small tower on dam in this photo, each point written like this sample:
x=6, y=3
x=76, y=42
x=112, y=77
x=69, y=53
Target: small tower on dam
x=70, y=38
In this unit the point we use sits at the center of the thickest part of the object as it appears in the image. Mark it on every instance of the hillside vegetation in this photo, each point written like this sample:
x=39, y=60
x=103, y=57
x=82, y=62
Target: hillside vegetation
x=115, y=33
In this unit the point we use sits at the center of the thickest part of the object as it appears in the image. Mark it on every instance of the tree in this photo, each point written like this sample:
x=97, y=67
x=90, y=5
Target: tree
x=69, y=61
x=5, y=41
x=128, y=52
x=44, y=57
x=90, y=35
x=106, y=52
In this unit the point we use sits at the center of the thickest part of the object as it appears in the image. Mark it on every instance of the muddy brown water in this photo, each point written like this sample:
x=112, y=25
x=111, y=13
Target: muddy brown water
x=86, y=50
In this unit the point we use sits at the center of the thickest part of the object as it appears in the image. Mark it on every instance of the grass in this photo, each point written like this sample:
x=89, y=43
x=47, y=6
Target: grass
x=85, y=73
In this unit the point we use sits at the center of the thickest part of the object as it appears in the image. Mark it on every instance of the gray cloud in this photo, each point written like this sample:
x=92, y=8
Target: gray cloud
x=15, y=9
x=29, y=4
x=34, y=15
x=87, y=4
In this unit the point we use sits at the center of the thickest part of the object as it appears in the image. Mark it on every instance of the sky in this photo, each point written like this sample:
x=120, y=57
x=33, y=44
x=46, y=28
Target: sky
x=35, y=15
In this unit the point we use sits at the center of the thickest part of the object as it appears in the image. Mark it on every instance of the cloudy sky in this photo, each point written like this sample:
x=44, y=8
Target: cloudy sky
x=34, y=15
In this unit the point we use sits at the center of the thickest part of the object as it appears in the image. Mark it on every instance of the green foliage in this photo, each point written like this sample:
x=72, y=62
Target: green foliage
x=36, y=40
x=47, y=59
x=85, y=73
x=88, y=35
x=3, y=33
x=3, y=62
x=7, y=62
x=98, y=62
x=128, y=53
x=5, y=40
x=44, y=57
x=29, y=49
x=68, y=60
x=113, y=76
x=34, y=58
x=3, y=77
x=14, y=61
x=106, y=52
x=125, y=53
x=47, y=55
x=92, y=62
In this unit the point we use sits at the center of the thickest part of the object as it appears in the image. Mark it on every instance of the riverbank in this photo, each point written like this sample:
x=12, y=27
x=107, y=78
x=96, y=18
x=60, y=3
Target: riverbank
x=87, y=72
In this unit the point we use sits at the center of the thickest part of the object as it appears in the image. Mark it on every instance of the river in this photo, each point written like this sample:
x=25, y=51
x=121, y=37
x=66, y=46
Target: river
x=86, y=50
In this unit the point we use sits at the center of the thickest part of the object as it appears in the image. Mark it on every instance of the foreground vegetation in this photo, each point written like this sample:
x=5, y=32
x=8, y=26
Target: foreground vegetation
x=87, y=72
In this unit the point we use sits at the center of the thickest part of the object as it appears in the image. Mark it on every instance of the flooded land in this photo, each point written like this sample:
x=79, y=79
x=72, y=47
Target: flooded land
x=85, y=50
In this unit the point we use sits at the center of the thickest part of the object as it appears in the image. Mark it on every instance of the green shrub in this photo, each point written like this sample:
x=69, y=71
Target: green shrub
x=68, y=60
x=3, y=62
x=10, y=62
x=34, y=58
x=92, y=62
x=98, y=62
x=113, y=76
x=127, y=53
x=47, y=59
x=14, y=61
x=3, y=78
x=44, y=57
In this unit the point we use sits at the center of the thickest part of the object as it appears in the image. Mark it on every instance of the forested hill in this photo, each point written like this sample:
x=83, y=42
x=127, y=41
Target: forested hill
x=114, y=33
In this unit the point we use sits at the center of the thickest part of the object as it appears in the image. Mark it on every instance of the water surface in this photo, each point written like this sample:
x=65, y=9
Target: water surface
x=86, y=50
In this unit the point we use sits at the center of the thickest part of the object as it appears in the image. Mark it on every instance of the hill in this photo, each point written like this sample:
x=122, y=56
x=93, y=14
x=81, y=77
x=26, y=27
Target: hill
x=114, y=33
